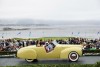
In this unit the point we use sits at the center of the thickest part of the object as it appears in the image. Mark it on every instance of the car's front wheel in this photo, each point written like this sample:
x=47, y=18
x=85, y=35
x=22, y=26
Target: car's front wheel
x=73, y=56
x=31, y=60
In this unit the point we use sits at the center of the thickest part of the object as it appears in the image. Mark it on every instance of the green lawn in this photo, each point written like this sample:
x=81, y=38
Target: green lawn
x=57, y=65
x=45, y=38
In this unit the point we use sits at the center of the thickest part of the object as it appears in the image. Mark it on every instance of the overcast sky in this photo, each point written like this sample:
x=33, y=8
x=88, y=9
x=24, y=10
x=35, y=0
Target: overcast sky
x=63, y=10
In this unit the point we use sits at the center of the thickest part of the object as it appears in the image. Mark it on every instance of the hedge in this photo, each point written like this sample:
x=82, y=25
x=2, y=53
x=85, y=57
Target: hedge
x=7, y=52
x=91, y=51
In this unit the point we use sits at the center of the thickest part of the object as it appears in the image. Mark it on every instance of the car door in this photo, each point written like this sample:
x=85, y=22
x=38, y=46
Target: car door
x=43, y=54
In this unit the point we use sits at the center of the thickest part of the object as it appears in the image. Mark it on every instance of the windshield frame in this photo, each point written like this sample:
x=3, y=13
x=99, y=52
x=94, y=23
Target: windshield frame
x=55, y=42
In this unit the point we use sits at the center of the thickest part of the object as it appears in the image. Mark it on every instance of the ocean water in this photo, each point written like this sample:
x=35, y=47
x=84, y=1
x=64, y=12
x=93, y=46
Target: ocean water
x=87, y=31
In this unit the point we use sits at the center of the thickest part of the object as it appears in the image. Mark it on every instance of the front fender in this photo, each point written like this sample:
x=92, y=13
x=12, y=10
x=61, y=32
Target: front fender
x=27, y=54
x=64, y=53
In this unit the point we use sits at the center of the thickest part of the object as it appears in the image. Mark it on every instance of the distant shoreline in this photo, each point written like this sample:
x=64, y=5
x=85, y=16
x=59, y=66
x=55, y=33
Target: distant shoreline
x=12, y=29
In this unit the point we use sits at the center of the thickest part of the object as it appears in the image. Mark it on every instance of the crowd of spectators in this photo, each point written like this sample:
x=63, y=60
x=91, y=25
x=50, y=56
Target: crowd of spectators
x=14, y=45
x=87, y=43
x=71, y=41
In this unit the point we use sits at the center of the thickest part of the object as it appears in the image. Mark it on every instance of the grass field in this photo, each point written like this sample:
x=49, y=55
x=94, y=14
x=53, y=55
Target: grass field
x=57, y=65
x=45, y=38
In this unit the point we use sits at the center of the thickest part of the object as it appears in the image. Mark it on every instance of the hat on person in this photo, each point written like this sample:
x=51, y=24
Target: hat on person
x=46, y=43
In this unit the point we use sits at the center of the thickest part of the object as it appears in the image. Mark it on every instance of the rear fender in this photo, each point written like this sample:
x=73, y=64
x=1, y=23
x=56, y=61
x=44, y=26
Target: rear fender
x=64, y=53
x=27, y=53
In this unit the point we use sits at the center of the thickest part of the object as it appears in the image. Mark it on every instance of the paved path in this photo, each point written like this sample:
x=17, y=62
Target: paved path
x=16, y=61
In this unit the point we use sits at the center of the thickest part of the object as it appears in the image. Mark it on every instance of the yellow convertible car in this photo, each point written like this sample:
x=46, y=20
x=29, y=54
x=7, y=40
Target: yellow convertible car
x=58, y=51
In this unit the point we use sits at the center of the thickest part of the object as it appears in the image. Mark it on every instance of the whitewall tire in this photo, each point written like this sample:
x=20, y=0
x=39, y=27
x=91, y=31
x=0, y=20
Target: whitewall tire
x=29, y=60
x=73, y=56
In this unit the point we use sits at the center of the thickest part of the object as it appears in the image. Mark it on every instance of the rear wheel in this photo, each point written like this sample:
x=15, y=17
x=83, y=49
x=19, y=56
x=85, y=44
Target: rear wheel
x=73, y=56
x=31, y=60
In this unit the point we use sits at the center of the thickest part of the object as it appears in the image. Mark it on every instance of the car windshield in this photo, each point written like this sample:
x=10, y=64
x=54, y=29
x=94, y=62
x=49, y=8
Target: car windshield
x=55, y=42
